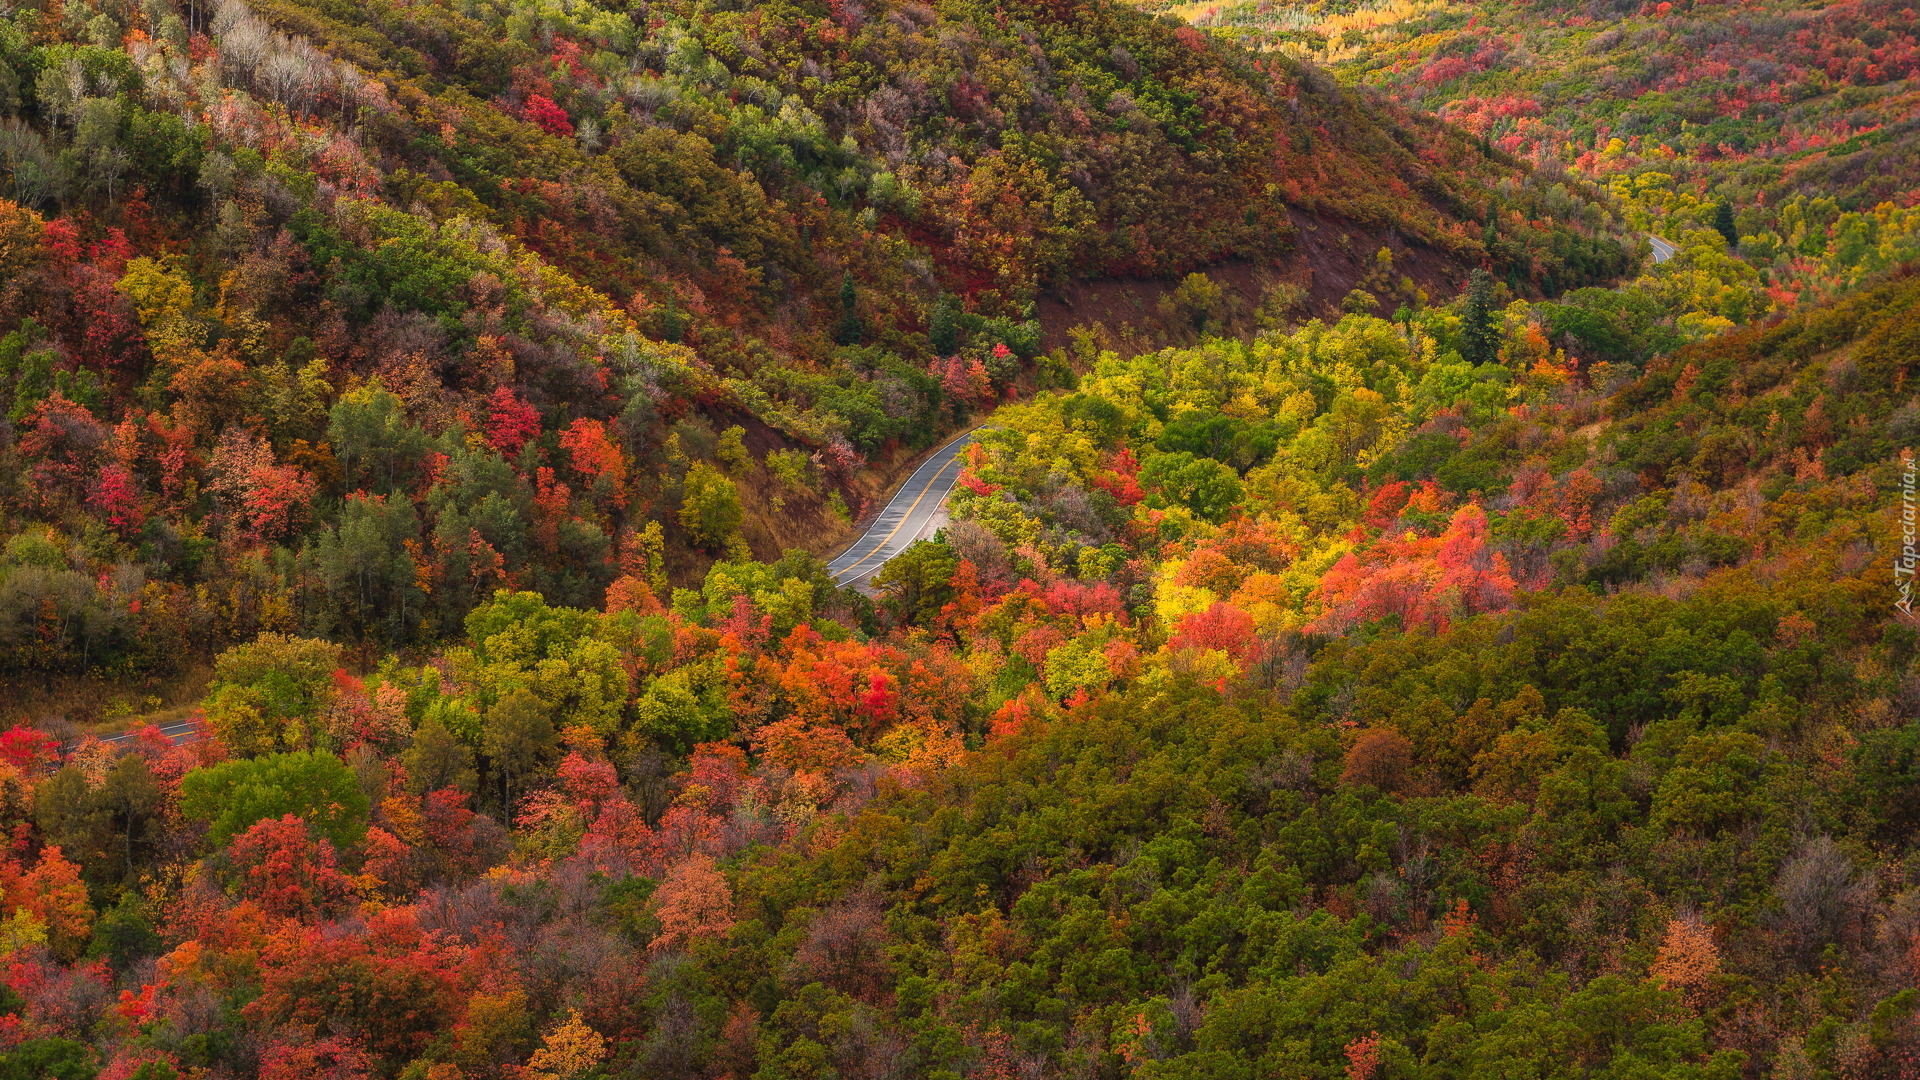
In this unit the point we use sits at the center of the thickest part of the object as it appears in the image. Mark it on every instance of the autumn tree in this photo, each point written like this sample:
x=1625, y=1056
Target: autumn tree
x=280, y=864
x=313, y=785
x=1379, y=758
x=693, y=903
x=570, y=1051
x=1688, y=958
x=710, y=506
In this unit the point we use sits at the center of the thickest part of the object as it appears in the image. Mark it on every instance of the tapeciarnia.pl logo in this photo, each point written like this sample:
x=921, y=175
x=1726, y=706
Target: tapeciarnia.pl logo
x=1903, y=567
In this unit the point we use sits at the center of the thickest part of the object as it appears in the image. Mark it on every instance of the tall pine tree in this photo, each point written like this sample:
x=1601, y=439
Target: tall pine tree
x=943, y=330
x=1723, y=224
x=851, y=330
x=1479, y=326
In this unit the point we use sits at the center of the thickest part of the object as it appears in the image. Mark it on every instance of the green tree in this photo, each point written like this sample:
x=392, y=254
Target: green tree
x=559, y=654
x=709, y=506
x=267, y=693
x=437, y=759
x=312, y=785
x=65, y=810
x=918, y=582
x=518, y=739
x=49, y=1059
x=1198, y=303
x=1724, y=225
x=1208, y=488
x=131, y=798
x=124, y=933
x=679, y=714
x=1480, y=322
x=361, y=573
x=377, y=447
x=97, y=145
x=1077, y=665
x=851, y=330
x=943, y=327
x=732, y=451
x=479, y=492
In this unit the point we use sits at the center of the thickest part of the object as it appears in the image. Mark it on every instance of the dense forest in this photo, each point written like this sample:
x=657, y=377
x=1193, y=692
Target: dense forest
x=338, y=320
x=1779, y=133
x=1462, y=646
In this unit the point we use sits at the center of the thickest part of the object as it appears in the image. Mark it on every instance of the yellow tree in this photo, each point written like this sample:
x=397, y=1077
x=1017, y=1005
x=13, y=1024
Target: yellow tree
x=571, y=1051
x=21, y=231
x=162, y=299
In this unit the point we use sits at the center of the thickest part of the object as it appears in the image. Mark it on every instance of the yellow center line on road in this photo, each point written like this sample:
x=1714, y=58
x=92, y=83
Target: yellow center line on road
x=903, y=517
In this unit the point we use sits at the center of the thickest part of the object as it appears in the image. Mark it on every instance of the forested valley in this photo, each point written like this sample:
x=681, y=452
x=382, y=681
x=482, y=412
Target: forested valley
x=1396, y=620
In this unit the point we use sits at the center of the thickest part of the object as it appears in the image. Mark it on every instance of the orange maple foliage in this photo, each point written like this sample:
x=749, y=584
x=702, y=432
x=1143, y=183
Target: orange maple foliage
x=695, y=902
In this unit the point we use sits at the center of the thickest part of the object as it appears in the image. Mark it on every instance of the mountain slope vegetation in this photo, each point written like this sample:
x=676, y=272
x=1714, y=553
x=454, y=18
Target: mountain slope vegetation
x=1779, y=133
x=1493, y=672
x=340, y=317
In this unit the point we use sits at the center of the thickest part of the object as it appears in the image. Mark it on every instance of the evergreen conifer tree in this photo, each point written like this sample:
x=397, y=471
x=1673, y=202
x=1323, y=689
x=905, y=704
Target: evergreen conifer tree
x=1479, y=329
x=851, y=330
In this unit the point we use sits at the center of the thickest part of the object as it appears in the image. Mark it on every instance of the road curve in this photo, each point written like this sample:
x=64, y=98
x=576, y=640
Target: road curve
x=906, y=515
x=900, y=524
x=1662, y=249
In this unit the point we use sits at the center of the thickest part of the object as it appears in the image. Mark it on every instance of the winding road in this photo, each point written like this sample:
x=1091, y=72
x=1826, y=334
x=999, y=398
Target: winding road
x=1662, y=249
x=909, y=515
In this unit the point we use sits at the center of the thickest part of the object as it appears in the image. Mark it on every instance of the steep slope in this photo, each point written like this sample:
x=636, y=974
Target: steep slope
x=1323, y=705
x=341, y=316
x=1797, y=119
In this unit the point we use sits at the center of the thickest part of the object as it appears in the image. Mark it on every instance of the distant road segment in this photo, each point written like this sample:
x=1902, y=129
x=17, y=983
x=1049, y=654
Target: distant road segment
x=1662, y=249
x=177, y=732
x=906, y=516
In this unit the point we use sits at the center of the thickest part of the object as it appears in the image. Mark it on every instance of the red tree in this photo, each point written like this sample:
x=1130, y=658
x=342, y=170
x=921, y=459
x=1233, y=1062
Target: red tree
x=550, y=117
x=1221, y=626
x=510, y=422
x=285, y=870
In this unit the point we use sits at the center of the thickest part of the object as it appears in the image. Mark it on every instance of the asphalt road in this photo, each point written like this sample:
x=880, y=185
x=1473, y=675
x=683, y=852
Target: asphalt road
x=1662, y=249
x=177, y=732
x=907, y=515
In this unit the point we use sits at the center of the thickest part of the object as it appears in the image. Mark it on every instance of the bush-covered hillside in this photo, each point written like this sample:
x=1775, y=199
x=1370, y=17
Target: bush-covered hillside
x=338, y=318
x=446, y=407
x=1773, y=142
x=1376, y=699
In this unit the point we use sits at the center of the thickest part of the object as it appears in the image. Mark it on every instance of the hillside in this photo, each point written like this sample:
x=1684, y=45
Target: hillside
x=1387, y=630
x=1780, y=130
x=1326, y=705
x=340, y=317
